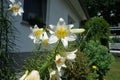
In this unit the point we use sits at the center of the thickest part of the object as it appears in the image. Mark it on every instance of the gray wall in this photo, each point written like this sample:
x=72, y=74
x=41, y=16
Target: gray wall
x=59, y=9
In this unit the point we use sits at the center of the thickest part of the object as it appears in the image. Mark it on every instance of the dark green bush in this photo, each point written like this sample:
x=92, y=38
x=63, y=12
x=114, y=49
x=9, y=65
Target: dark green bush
x=98, y=55
x=97, y=29
x=78, y=70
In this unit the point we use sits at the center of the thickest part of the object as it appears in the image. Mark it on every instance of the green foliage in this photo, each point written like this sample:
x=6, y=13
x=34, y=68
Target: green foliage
x=6, y=44
x=78, y=70
x=98, y=55
x=43, y=61
x=97, y=4
x=6, y=73
x=105, y=8
x=39, y=62
x=97, y=29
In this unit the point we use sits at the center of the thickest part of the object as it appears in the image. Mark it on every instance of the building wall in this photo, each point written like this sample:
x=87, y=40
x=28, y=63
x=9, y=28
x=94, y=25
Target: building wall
x=55, y=10
x=59, y=9
x=23, y=43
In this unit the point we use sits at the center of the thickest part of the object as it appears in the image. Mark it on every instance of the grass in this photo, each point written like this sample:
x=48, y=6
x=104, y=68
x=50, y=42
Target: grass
x=114, y=73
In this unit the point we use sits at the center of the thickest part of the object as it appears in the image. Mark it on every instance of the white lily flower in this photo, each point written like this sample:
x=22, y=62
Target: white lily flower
x=60, y=62
x=16, y=8
x=62, y=32
x=71, y=55
x=36, y=34
x=77, y=30
x=34, y=75
x=54, y=75
x=45, y=38
x=24, y=76
x=39, y=35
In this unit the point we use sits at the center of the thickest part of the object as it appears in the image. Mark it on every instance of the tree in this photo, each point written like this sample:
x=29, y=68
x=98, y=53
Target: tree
x=108, y=9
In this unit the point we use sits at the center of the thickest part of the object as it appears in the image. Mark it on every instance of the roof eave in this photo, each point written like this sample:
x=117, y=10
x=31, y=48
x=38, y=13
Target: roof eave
x=78, y=8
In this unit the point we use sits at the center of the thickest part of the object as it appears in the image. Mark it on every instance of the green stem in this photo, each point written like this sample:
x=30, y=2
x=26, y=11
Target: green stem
x=37, y=47
x=83, y=39
x=50, y=60
x=57, y=46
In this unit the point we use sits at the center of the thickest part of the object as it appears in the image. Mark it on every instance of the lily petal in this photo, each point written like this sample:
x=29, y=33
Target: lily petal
x=10, y=6
x=71, y=26
x=71, y=55
x=72, y=51
x=35, y=27
x=14, y=14
x=53, y=39
x=54, y=75
x=24, y=76
x=64, y=66
x=13, y=1
x=60, y=62
x=21, y=10
x=52, y=26
x=31, y=36
x=59, y=68
x=77, y=30
x=45, y=36
x=34, y=75
x=71, y=37
x=36, y=40
x=51, y=32
x=61, y=22
x=65, y=42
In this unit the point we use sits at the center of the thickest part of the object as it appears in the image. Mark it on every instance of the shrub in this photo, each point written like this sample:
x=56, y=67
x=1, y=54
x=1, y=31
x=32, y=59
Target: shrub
x=97, y=29
x=98, y=55
x=78, y=70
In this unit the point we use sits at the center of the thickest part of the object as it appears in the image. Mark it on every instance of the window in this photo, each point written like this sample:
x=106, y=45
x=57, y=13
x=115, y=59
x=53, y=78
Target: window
x=35, y=12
